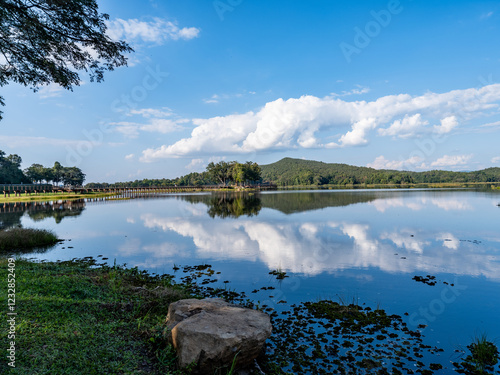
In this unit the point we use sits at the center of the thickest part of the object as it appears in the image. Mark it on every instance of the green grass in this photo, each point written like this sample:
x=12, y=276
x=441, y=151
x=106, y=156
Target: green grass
x=25, y=238
x=75, y=318
x=53, y=196
x=82, y=317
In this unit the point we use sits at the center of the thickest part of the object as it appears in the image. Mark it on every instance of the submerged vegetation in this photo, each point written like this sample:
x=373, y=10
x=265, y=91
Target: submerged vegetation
x=25, y=238
x=81, y=316
x=336, y=338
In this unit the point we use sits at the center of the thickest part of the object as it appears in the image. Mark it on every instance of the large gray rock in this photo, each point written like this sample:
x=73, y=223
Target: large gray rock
x=211, y=332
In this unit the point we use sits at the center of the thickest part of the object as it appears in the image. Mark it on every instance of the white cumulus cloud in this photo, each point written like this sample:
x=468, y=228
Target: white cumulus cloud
x=381, y=162
x=155, y=122
x=297, y=122
x=447, y=125
x=157, y=31
x=360, y=90
x=151, y=112
x=52, y=90
x=451, y=160
x=212, y=100
x=195, y=164
x=409, y=126
x=417, y=162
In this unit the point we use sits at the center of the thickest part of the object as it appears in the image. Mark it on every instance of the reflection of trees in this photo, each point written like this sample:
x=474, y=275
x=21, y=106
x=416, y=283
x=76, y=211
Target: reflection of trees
x=57, y=210
x=11, y=213
x=233, y=205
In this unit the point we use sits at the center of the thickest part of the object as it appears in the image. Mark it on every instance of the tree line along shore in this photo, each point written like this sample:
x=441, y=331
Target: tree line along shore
x=290, y=172
x=11, y=173
x=287, y=172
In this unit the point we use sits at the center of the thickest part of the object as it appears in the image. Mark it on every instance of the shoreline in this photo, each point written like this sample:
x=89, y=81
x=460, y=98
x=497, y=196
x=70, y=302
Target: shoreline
x=54, y=197
x=434, y=185
x=119, y=196
x=88, y=316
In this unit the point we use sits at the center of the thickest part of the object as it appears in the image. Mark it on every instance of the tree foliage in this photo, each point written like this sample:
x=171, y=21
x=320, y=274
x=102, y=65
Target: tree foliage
x=219, y=173
x=36, y=173
x=69, y=176
x=10, y=172
x=191, y=179
x=290, y=172
x=49, y=41
x=227, y=172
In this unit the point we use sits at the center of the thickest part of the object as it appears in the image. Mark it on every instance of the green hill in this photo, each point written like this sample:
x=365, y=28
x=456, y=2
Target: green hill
x=289, y=172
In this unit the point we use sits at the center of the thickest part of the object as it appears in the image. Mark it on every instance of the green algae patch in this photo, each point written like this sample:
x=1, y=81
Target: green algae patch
x=327, y=337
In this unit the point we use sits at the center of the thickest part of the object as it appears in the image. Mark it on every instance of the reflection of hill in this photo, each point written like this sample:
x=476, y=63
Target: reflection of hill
x=237, y=204
x=11, y=213
x=292, y=202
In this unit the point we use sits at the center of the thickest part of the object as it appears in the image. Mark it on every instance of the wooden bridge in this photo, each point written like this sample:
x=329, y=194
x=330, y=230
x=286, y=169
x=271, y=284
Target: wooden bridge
x=28, y=189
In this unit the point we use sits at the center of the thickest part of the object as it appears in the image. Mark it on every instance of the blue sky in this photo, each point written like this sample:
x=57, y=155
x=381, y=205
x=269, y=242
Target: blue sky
x=403, y=84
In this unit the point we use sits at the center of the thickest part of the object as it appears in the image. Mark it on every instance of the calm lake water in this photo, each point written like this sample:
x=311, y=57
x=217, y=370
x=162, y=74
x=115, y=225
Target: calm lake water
x=363, y=245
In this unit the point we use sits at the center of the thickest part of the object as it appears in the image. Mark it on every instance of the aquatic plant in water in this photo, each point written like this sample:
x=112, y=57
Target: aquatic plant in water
x=327, y=337
x=279, y=273
x=482, y=359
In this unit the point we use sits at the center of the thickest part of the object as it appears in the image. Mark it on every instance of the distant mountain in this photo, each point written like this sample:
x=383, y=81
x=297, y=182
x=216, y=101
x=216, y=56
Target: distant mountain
x=289, y=172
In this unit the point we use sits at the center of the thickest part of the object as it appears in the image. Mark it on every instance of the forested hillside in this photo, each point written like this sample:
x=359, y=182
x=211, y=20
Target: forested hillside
x=288, y=171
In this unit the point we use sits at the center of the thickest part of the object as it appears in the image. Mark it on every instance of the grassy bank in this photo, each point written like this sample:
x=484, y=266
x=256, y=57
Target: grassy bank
x=25, y=238
x=74, y=318
x=53, y=196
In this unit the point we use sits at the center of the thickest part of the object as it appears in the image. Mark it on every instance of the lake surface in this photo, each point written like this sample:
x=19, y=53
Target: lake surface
x=363, y=245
